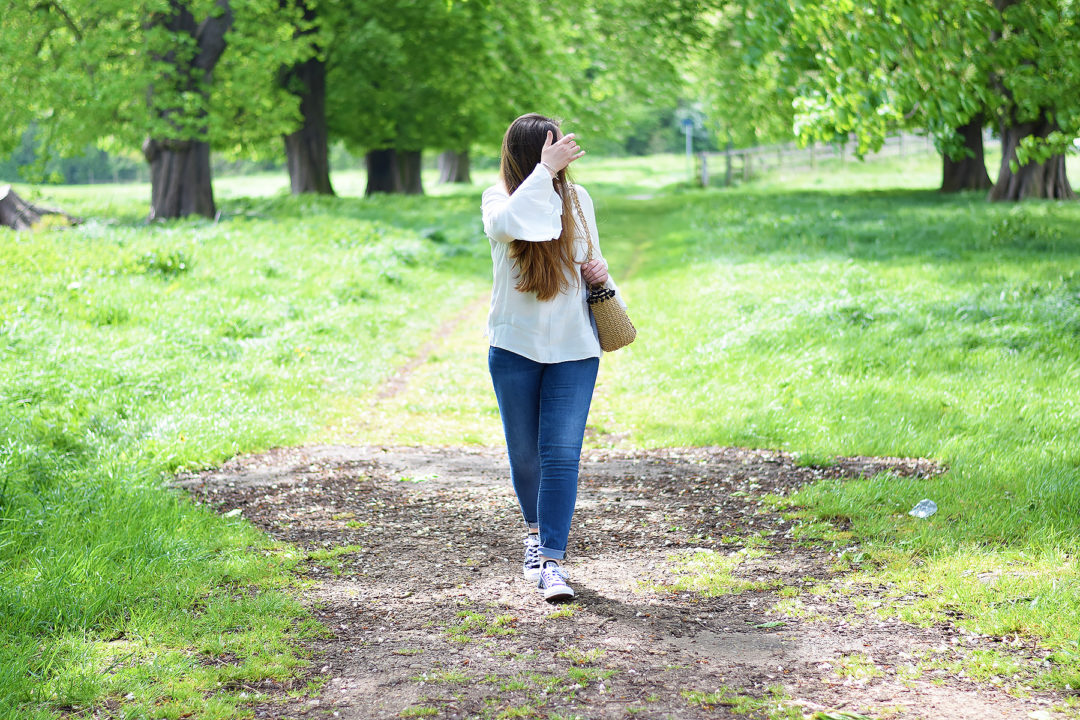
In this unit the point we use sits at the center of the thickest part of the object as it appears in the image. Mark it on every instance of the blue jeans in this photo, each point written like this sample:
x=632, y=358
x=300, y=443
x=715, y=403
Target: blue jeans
x=544, y=407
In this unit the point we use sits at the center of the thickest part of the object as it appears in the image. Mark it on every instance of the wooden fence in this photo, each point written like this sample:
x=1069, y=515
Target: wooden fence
x=746, y=162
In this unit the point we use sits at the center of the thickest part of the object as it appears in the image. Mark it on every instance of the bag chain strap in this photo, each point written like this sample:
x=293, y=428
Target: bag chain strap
x=581, y=216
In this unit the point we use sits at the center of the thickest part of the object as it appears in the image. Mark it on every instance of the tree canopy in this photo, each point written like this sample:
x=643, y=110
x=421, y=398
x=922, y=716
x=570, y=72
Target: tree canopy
x=239, y=75
x=96, y=71
x=840, y=70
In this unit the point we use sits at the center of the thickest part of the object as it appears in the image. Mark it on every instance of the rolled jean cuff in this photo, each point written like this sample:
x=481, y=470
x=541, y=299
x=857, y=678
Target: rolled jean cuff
x=553, y=554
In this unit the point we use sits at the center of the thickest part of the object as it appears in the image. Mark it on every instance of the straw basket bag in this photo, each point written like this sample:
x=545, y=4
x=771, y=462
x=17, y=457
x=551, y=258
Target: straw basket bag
x=612, y=323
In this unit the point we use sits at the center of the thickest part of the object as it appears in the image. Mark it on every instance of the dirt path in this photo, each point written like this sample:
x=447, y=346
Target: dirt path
x=400, y=379
x=415, y=563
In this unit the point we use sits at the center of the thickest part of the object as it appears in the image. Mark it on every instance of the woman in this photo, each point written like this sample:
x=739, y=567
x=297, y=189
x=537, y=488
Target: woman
x=544, y=350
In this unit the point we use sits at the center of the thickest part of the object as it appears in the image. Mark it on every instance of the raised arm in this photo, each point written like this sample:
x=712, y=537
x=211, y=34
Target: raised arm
x=533, y=212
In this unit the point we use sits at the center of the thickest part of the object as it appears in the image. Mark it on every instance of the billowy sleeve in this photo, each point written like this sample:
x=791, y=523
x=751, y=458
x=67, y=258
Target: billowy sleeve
x=532, y=213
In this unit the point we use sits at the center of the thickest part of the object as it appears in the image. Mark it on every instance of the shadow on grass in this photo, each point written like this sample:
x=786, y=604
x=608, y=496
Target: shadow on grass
x=906, y=226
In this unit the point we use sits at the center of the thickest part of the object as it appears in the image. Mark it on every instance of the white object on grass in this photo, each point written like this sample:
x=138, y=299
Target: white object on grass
x=923, y=509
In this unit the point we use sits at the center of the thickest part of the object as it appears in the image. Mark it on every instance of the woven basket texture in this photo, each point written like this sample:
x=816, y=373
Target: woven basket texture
x=612, y=325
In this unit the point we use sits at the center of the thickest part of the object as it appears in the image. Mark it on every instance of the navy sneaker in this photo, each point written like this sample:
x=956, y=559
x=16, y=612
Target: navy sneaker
x=531, y=566
x=553, y=583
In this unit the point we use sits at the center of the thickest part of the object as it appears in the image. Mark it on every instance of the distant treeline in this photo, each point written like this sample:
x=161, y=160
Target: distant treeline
x=660, y=132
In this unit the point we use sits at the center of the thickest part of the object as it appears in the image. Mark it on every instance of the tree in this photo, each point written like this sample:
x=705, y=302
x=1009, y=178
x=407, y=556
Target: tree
x=750, y=68
x=899, y=65
x=965, y=169
x=948, y=66
x=1037, y=83
x=383, y=172
x=178, y=78
x=367, y=62
x=307, y=148
x=448, y=76
x=179, y=156
x=454, y=166
x=613, y=56
x=429, y=74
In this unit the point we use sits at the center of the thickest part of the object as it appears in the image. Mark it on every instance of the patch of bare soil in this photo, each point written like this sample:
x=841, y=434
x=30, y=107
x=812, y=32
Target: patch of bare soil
x=430, y=615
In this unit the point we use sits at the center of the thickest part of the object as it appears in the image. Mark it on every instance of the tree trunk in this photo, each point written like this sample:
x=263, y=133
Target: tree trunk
x=179, y=179
x=18, y=214
x=454, y=167
x=180, y=166
x=1034, y=180
x=968, y=172
x=306, y=149
x=382, y=172
x=409, y=167
x=1037, y=180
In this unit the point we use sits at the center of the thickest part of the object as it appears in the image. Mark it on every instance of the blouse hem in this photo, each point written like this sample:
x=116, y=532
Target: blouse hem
x=531, y=356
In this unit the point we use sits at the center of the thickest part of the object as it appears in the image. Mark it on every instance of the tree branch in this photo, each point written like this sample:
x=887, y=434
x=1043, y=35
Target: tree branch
x=63, y=15
x=210, y=37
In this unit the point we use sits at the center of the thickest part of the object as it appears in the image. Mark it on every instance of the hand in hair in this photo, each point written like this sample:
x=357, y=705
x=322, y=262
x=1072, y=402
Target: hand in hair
x=561, y=153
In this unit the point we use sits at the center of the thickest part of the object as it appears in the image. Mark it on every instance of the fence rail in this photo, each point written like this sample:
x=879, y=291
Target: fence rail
x=744, y=163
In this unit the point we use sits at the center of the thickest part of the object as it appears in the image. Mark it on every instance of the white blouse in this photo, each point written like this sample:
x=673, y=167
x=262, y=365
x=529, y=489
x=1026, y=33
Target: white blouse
x=548, y=331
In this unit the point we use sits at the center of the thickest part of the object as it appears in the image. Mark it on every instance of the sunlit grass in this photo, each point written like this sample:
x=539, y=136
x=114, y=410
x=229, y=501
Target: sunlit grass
x=883, y=322
x=877, y=324
x=806, y=312
x=445, y=400
x=1010, y=593
x=774, y=704
x=712, y=573
x=130, y=352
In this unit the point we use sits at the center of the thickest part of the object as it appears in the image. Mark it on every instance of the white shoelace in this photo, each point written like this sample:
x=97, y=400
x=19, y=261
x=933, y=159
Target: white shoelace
x=553, y=574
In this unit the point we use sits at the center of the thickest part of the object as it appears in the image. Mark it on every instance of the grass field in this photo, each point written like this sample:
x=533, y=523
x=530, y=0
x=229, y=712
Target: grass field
x=130, y=352
x=851, y=313
x=883, y=322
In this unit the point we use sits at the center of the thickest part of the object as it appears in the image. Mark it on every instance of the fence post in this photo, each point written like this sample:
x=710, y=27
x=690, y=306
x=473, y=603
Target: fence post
x=745, y=166
x=704, y=169
x=727, y=159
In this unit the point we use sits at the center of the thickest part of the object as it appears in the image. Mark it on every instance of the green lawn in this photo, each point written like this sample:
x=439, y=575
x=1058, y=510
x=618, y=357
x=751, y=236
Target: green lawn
x=129, y=352
x=852, y=313
x=879, y=322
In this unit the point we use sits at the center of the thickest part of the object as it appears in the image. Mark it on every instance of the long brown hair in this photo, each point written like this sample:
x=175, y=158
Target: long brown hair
x=544, y=268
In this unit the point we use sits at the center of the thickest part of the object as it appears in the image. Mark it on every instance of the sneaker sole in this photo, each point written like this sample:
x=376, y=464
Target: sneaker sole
x=532, y=575
x=553, y=595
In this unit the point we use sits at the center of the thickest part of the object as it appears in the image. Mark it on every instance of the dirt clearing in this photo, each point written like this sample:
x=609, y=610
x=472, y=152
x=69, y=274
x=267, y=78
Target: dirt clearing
x=696, y=598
